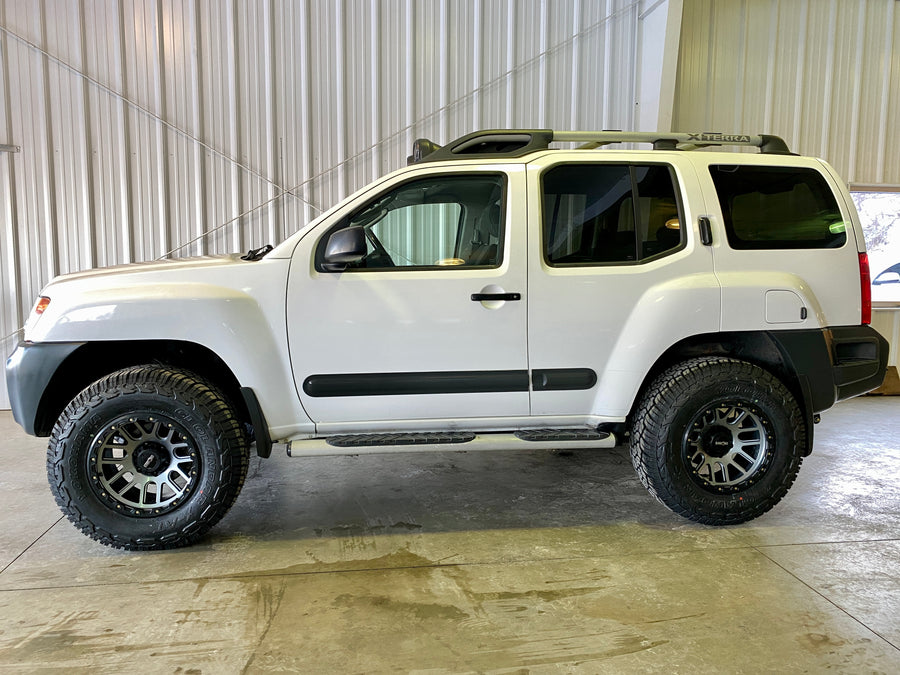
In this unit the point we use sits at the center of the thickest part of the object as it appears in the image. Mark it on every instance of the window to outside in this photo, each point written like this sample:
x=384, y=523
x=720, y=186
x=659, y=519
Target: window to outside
x=879, y=213
x=438, y=221
x=417, y=235
x=609, y=213
x=773, y=207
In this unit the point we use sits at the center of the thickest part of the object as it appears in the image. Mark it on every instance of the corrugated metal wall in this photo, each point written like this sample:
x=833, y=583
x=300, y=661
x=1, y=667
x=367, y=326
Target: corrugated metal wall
x=824, y=74
x=145, y=124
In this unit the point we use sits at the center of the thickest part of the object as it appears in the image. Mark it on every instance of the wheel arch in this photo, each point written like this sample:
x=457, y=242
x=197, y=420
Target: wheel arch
x=761, y=348
x=93, y=360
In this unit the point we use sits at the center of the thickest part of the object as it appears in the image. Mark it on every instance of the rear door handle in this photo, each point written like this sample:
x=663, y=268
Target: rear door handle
x=705, y=231
x=481, y=297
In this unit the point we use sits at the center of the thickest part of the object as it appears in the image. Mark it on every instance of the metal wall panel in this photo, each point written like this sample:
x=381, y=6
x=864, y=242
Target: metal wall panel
x=824, y=74
x=200, y=126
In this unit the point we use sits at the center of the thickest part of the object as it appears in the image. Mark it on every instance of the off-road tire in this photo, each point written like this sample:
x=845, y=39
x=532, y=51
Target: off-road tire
x=717, y=440
x=148, y=457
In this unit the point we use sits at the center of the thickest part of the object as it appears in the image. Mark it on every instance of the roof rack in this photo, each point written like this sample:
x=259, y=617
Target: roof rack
x=520, y=142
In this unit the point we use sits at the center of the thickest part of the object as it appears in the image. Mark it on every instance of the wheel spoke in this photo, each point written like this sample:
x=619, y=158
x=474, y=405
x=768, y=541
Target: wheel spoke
x=155, y=431
x=111, y=448
x=176, y=472
x=720, y=471
x=732, y=463
x=736, y=422
x=173, y=486
x=128, y=430
x=133, y=482
x=144, y=496
x=121, y=472
x=739, y=452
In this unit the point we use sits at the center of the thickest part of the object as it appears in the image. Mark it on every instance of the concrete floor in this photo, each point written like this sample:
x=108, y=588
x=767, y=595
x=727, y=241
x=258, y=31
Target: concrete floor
x=507, y=563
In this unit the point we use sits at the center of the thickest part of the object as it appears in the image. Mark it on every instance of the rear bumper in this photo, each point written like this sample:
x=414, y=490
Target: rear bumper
x=28, y=372
x=861, y=356
x=835, y=363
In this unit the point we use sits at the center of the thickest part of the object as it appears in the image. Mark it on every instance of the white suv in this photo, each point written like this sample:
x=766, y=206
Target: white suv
x=496, y=293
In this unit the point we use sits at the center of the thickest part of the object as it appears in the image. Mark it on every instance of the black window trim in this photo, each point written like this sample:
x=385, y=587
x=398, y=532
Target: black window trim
x=319, y=254
x=618, y=263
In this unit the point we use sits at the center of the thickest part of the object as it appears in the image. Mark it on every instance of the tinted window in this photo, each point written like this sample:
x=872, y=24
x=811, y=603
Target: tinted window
x=609, y=213
x=441, y=221
x=768, y=207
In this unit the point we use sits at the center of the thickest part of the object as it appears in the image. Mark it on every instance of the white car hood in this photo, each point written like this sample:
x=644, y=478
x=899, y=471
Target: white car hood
x=152, y=266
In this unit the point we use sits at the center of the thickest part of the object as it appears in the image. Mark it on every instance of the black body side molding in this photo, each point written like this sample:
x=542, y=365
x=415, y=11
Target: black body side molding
x=393, y=384
x=563, y=379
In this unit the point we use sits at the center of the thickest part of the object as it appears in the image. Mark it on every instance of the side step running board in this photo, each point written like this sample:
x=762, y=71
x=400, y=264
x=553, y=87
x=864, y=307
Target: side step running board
x=383, y=440
x=528, y=439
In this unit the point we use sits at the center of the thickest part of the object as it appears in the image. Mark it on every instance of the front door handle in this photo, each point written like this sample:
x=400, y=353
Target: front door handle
x=481, y=297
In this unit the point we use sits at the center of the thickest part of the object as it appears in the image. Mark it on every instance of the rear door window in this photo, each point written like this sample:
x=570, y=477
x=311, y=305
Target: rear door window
x=775, y=207
x=599, y=214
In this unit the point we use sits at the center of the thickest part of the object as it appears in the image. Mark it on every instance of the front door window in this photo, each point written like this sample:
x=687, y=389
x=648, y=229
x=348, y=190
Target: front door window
x=441, y=221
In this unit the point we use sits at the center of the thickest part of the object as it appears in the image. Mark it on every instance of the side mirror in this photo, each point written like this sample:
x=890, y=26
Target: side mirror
x=887, y=278
x=344, y=247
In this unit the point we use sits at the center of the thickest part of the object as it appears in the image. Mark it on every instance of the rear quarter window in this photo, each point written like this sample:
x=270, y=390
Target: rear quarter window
x=775, y=207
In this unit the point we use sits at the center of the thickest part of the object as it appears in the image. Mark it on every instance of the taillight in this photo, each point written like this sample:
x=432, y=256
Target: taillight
x=42, y=304
x=865, y=288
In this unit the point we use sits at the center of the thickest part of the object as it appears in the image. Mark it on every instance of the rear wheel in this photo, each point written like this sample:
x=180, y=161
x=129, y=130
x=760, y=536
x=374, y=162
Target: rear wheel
x=147, y=458
x=718, y=440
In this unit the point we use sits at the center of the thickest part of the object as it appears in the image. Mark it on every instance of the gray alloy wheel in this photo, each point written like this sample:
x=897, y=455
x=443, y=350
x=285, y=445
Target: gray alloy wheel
x=147, y=464
x=727, y=444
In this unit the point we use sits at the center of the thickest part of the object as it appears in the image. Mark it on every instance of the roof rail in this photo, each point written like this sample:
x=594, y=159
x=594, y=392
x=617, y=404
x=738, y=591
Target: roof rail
x=519, y=142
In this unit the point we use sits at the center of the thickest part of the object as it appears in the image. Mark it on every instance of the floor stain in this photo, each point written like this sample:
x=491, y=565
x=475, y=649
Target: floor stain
x=356, y=529
x=558, y=647
x=418, y=610
x=543, y=596
x=398, y=559
x=675, y=618
x=819, y=641
x=268, y=602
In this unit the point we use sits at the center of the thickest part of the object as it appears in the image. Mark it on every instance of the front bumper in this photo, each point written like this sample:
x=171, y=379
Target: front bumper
x=29, y=371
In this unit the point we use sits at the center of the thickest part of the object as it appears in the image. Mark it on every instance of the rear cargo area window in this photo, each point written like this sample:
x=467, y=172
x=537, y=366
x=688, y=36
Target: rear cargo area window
x=775, y=207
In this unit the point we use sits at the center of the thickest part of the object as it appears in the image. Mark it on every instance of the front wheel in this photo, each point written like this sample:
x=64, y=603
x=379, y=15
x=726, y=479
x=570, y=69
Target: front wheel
x=147, y=458
x=717, y=440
